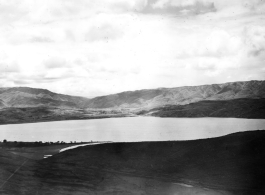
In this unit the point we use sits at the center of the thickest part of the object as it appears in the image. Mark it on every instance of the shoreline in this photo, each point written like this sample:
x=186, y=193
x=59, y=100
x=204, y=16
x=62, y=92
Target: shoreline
x=123, y=116
x=68, y=119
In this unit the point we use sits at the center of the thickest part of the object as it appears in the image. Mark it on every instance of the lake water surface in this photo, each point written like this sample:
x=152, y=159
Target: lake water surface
x=128, y=129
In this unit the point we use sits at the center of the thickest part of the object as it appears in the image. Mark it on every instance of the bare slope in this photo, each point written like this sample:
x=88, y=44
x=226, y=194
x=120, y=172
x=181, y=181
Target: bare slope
x=238, y=99
x=180, y=95
x=236, y=108
x=32, y=97
x=148, y=98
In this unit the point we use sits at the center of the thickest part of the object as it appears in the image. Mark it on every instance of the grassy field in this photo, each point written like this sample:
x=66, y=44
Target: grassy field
x=34, y=150
x=228, y=165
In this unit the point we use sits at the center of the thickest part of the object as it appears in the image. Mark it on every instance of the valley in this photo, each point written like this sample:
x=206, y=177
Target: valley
x=136, y=97
x=237, y=99
x=140, y=158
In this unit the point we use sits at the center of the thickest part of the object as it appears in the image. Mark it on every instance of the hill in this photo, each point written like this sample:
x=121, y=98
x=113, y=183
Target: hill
x=12, y=115
x=140, y=99
x=232, y=163
x=32, y=97
x=151, y=98
x=227, y=165
x=237, y=99
x=237, y=108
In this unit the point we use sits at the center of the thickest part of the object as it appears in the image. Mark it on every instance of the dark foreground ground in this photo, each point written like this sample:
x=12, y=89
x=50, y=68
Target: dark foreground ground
x=232, y=164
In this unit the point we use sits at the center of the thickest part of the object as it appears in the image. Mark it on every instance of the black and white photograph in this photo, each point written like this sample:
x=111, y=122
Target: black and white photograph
x=132, y=97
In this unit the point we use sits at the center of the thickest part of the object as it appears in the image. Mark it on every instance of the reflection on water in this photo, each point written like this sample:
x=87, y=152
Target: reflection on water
x=128, y=129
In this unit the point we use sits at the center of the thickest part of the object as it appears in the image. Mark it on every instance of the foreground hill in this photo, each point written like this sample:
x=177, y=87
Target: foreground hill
x=180, y=95
x=227, y=165
x=32, y=97
x=237, y=108
x=233, y=163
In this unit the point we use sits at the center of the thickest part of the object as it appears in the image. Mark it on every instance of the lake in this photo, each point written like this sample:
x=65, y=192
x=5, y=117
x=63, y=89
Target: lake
x=128, y=129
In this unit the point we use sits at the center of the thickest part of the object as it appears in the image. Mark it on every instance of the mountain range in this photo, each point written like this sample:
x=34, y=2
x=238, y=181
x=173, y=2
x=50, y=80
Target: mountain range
x=180, y=95
x=32, y=97
x=140, y=99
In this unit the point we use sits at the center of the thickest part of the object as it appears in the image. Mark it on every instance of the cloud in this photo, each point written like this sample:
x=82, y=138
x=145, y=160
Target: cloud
x=55, y=62
x=254, y=38
x=103, y=32
x=7, y=66
x=41, y=39
x=225, y=8
x=12, y=11
x=70, y=35
x=108, y=46
x=181, y=7
x=38, y=11
x=49, y=76
x=133, y=5
x=206, y=66
x=26, y=81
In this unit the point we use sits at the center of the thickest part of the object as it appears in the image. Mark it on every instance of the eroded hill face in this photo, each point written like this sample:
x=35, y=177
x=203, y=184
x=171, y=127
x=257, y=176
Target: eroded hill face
x=140, y=99
x=235, y=108
x=31, y=97
x=180, y=95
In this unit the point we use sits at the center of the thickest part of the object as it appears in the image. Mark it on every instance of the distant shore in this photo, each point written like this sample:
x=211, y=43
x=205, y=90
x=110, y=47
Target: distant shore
x=62, y=119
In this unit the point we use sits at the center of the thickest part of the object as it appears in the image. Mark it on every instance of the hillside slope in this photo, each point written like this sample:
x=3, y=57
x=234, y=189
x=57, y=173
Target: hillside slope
x=237, y=108
x=233, y=163
x=140, y=99
x=180, y=95
x=136, y=100
x=32, y=97
x=14, y=115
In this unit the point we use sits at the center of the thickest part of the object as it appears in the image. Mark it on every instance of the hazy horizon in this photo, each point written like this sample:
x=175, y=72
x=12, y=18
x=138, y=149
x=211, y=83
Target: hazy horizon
x=93, y=48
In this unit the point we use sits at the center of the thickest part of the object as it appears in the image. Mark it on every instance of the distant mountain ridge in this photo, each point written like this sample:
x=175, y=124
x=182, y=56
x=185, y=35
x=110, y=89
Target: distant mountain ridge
x=32, y=97
x=140, y=99
x=180, y=95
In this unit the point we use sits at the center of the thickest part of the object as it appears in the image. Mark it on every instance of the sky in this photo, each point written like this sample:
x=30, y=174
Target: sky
x=97, y=47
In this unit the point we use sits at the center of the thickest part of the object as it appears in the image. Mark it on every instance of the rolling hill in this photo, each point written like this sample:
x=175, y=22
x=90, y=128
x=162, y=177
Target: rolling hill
x=32, y=97
x=151, y=98
x=233, y=163
x=227, y=165
x=236, y=108
x=237, y=99
x=147, y=98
